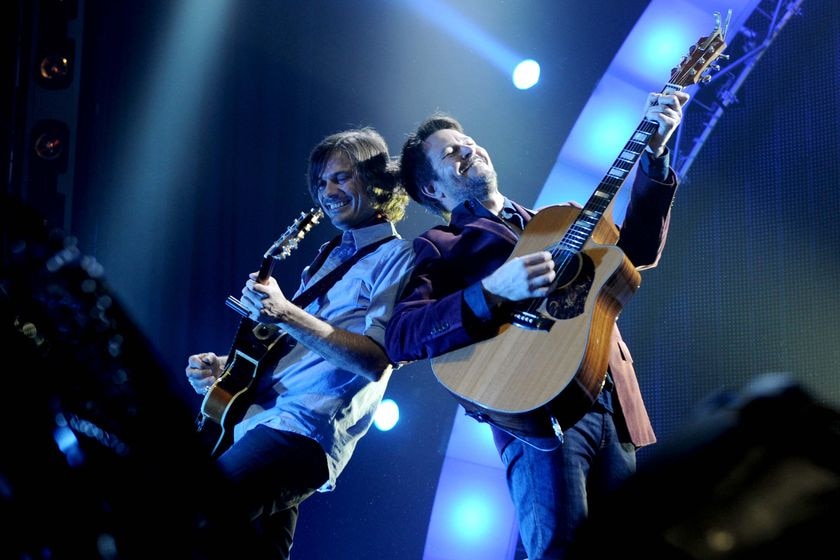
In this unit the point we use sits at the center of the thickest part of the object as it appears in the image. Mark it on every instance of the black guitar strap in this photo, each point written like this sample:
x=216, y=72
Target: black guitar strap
x=321, y=286
x=267, y=347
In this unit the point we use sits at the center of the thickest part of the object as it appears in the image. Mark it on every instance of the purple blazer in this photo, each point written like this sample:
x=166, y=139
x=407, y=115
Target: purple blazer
x=433, y=318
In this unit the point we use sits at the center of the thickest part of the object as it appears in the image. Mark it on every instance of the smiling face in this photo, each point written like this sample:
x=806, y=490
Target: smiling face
x=343, y=197
x=463, y=168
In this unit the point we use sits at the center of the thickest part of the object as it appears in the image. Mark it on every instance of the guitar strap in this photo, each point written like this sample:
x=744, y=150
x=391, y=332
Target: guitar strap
x=228, y=404
x=276, y=351
x=321, y=286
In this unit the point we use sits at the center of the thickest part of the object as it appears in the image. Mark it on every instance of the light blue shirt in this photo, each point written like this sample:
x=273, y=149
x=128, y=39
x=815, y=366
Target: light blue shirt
x=316, y=398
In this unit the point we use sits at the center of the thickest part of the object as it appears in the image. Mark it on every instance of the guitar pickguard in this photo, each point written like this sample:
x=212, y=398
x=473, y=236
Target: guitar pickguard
x=568, y=300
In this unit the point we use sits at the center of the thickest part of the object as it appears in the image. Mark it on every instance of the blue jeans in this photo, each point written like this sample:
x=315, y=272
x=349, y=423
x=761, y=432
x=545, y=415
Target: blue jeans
x=273, y=472
x=552, y=491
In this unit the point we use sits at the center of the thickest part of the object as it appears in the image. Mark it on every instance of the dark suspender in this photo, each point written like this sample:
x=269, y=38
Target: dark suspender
x=321, y=286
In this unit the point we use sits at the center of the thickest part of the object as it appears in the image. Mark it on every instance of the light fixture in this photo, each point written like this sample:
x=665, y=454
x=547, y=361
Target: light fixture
x=50, y=140
x=55, y=65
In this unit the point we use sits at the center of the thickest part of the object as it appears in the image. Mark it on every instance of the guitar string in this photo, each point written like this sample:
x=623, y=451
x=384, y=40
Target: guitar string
x=573, y=240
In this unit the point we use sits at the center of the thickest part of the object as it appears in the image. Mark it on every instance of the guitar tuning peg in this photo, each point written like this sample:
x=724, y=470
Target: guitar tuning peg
x=706, y=79
x=715, y=67
x=722, y=57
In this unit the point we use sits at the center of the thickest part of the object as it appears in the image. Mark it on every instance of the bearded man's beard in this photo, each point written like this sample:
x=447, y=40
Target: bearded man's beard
x=479, y=187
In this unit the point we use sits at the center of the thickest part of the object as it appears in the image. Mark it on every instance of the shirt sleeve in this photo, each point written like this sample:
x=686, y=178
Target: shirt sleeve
x=390, y=279
x=475, y=300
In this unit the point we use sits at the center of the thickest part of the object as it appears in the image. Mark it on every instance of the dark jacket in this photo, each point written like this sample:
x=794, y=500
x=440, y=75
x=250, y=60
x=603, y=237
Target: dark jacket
x=433, y=316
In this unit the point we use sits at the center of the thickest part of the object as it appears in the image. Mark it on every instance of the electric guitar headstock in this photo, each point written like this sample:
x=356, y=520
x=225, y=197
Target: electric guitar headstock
x=287, y=242
x=281, y=249
x=702, y=56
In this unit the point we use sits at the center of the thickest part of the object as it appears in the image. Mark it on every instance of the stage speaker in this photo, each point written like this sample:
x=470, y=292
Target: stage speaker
x=755, y=475
x=100, y=459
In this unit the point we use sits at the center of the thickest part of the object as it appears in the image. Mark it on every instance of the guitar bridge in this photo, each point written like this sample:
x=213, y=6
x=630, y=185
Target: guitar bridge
x=531, y=321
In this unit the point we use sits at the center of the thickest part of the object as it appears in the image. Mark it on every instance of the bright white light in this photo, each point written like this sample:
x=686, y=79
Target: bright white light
x=526, y=74
x=387, y=415
x=473, y=517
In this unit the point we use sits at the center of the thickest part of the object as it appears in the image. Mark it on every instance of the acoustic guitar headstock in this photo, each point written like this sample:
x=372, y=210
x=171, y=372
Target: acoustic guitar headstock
x=702, y=56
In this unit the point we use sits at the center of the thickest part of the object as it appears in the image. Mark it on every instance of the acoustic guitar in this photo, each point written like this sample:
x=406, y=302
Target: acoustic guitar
x=256, y=348
x=546, y=365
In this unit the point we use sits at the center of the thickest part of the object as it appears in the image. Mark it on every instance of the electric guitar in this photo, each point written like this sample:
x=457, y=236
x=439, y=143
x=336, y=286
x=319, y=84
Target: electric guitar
x=256, y=349
x=546, y=365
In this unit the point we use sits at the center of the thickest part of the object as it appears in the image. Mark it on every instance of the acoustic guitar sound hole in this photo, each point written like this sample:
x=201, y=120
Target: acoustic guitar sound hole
x=573, y=285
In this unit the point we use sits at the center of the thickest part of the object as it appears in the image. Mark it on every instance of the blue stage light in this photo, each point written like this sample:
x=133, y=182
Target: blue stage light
x=387, y=415
x=526, y=74
x=462, y=28
x=472, y=516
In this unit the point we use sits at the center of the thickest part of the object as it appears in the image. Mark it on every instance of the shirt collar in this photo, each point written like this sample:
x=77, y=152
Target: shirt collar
x=363, y=237
x=474, y=207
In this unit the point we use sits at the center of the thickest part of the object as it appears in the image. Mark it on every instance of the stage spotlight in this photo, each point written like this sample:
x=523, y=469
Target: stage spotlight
x=387, y=415
x=49, y=146
x=465, y=30
x=526, y=74
x=55, y=65
x=50, y=140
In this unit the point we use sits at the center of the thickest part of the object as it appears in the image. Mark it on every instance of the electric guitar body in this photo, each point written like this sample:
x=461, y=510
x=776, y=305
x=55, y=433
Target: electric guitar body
x=256, y=349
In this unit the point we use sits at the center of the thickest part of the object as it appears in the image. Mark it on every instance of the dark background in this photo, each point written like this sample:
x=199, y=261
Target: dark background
x=185, y=163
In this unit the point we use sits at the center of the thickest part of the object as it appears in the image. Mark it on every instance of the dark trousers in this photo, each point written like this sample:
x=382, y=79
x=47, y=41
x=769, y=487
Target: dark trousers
x=273, y=472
